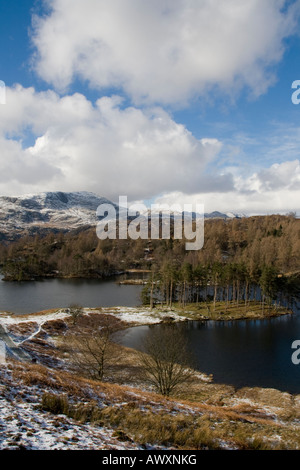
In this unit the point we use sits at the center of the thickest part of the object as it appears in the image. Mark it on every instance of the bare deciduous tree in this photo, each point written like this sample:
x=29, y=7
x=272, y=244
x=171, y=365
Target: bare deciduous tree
x=165, y=359
x=91, y=348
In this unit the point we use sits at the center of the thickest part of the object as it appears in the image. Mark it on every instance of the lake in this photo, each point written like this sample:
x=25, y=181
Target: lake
x=34, y=296
x=241, y=353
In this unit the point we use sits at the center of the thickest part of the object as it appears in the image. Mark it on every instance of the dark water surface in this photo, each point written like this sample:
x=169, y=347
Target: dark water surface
x=241, y=353
x=34, y=296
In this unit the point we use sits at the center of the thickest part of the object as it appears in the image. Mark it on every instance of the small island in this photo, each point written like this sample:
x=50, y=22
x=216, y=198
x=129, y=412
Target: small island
x=222, y=312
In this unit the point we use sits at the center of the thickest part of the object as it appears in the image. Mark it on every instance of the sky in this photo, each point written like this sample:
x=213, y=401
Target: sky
x=165, y=101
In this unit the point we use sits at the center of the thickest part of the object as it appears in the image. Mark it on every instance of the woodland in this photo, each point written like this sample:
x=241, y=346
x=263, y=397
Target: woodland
x=238, y=254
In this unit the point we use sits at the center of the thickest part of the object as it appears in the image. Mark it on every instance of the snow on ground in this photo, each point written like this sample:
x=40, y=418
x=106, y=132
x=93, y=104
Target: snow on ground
x=24, y=426
x=140, y=315
x=136, y=315
x=12, y=319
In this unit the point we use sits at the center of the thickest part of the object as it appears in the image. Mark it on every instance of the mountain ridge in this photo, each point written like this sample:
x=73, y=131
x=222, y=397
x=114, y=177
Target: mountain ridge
x=56, y=211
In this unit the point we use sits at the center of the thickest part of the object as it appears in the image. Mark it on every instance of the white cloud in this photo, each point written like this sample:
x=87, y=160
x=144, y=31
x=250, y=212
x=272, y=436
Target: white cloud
x=279, y=176
x=18, y=165
x=166, y=51
x=104, y=148
x=272, y=190
x=114, y=150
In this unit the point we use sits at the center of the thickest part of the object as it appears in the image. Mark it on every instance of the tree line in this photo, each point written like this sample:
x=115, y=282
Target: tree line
x=251, y=243
x=230, y=283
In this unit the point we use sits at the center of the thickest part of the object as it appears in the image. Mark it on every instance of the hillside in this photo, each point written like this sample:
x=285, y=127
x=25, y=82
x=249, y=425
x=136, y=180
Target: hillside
x=253, y=242
x=49, y=211
x=46, y=405
x=55, y=211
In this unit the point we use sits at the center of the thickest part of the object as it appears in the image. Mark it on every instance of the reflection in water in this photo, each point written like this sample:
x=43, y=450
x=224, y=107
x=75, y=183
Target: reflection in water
x=34, y=296
x=241, y=353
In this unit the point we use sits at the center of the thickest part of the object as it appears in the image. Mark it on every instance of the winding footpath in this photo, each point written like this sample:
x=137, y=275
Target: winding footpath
x=12, y=349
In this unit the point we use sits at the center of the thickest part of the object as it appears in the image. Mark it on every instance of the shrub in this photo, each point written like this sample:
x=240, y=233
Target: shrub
x=56, y=404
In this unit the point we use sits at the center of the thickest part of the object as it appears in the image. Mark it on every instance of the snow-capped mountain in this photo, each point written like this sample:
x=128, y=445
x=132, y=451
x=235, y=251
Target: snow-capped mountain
x=34, y=213
x=233, y=215
x=48, y=211
x=221, y=215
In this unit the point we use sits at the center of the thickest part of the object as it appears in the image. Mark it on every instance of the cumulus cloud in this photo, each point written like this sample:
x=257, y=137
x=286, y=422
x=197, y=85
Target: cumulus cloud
x=105, y=148
x=18, y=165
x=163, y=51
x=279, y=176
x=272, y=190
x=113, y=150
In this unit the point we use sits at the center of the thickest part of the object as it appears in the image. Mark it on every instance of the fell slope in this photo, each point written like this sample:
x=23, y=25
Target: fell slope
x=35, y=213
x=46, y=405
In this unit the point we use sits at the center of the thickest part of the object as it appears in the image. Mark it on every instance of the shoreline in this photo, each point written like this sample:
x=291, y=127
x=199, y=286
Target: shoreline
x=79, y=275
x=144, y=315
x=28, y=326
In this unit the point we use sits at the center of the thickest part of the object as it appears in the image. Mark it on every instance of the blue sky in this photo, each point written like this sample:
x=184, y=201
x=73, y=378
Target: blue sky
x=166, y=101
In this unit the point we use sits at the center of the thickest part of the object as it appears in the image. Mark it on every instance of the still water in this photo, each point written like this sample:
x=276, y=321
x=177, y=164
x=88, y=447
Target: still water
x=243, y=353
x=34, y=296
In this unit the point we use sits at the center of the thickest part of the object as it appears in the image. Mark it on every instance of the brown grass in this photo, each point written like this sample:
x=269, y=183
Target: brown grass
x=147, y=417
x=200, y=415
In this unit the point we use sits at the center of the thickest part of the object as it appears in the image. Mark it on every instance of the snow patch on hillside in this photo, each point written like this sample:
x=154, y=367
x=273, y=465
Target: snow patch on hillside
x=24, y=426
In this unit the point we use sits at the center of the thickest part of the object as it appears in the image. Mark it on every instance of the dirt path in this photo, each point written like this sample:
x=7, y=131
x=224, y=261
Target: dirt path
x=12, y=349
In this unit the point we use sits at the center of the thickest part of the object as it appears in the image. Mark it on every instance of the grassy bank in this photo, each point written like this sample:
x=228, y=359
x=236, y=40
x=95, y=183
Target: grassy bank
x=222, y=311
x=228, y=419
x=200, y=415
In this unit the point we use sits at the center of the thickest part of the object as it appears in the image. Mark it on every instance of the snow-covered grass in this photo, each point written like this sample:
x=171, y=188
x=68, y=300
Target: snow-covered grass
x=24, y=426
x=128, y=418
x=137, y=315
x=140, y=315
x=201, y=415
x=39, y=318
